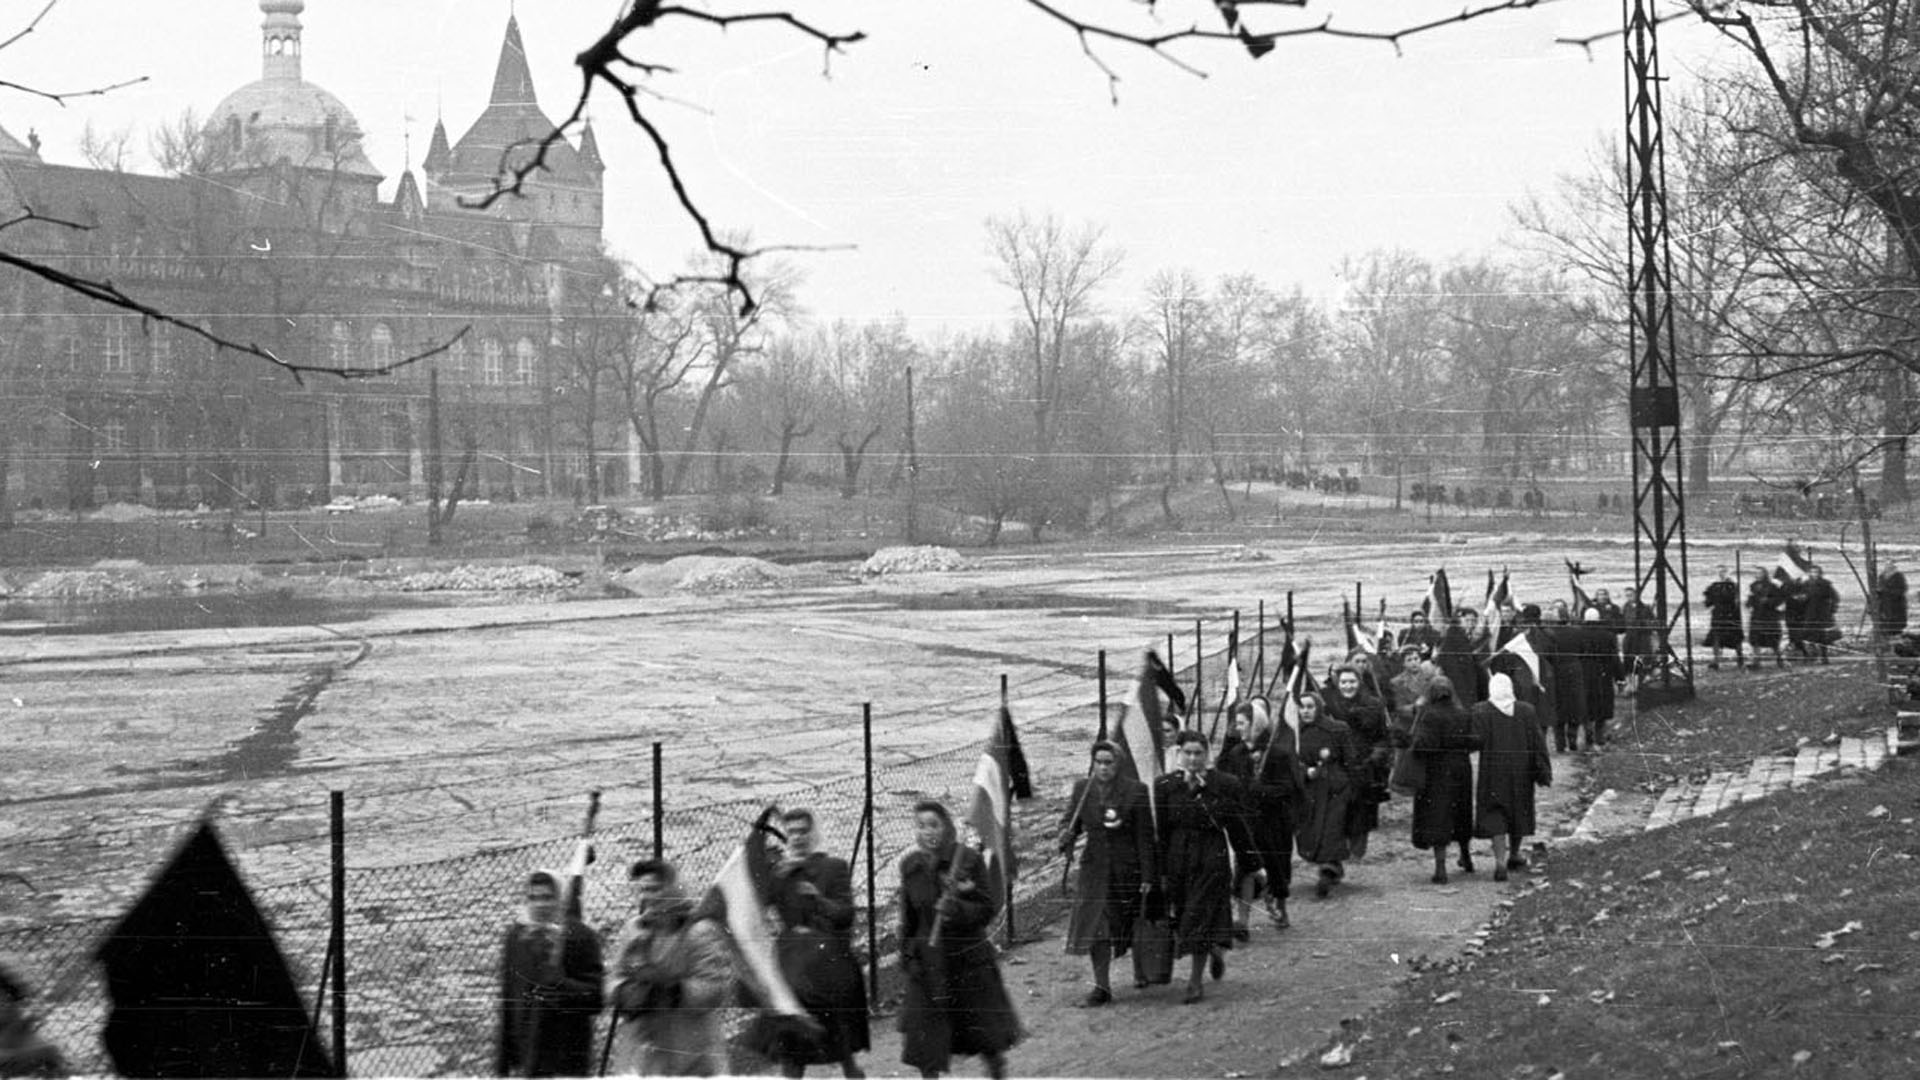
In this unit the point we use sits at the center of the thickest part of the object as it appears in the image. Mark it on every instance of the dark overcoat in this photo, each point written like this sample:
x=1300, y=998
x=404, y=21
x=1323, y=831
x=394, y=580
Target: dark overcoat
x=1723, y=615
x=955, y=1002
x=816, y=954
x=548, y=1000
x=1767, y=605
x=1275, y=792
x=1443, y=739
x=1320, y=818
x=1202, y=828
x=1366, y=720
x=1513, y=761
x=1118, y=857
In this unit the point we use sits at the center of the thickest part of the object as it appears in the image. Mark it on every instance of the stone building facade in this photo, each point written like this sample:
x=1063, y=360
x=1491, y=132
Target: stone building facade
x=270, y=230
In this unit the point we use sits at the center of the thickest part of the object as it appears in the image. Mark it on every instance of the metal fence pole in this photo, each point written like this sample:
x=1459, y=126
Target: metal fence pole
x=659, y=809
x=337, y=811
x=1103, y=694
x=873, y=904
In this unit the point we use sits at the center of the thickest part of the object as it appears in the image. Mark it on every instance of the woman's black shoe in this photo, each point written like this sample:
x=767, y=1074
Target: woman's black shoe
x=1440, y=878
x=1217, y=965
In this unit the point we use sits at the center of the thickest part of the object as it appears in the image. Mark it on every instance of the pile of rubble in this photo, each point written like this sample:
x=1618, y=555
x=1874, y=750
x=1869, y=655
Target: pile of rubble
x=704, y=573
x=913, y=560
x=488, y=579
x=78, y=585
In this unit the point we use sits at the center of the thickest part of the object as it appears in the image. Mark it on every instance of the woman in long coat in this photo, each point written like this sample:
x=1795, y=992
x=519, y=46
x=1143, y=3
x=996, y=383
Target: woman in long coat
x=1116, y=868
x=1272, y=793
x=1443, y=807
x=1723, y=627
x=1237, y=760
x=1366, y=718
x=1513, y=761
x=1202, y=826
x=1765, y=623
x=955, y=1002
x=1329, y=761
x=813, y=894
x=550, y=974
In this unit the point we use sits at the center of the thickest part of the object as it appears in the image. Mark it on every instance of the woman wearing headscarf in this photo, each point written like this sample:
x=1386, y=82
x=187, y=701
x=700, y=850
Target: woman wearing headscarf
x=1366, y=719
x=1513, y=761
x=813, y=895
x=1330, y=761
x=1118, y=866
x=1443, y=806
x=550, y=972
x=955, y=1002
x=1236, y=760
x=1202, y=826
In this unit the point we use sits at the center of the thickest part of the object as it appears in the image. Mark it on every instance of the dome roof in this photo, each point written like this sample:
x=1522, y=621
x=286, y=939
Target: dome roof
x=291, y=119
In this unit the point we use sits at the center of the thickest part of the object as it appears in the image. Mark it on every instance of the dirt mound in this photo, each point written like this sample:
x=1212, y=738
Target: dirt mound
x=914, y=560
x=704, y=573
x=487, y=579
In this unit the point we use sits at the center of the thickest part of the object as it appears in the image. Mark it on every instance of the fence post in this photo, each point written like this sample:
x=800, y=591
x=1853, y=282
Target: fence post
x=1007, y=879
x=1103, y=695
x=337, y=811
x=873, y=925
x=659, y=808
x=1199, y=685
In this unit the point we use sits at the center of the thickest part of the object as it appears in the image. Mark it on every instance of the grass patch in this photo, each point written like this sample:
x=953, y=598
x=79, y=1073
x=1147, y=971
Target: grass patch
x=1779, y=936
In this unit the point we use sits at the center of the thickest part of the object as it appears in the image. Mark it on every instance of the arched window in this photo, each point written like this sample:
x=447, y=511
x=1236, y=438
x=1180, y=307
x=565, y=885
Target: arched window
x=458, y=360
x=382, y=344
x=523, y=362
x=339, y=345
x=490, y=373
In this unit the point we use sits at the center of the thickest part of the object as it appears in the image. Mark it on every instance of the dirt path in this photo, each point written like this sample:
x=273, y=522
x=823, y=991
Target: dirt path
x=1286, y=992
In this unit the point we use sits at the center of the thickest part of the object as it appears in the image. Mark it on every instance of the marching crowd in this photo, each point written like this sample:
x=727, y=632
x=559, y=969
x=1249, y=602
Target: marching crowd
x=1179, y=846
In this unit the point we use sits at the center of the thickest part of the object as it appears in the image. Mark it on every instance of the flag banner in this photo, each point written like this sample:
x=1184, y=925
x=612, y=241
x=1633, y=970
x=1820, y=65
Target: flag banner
x=1358, y=639
x=197, y=984
x=1794, y=564
x=1498, y=597
x=999, y=778
x=1581, y=601
x=1522, y=648
x=1439, y=602
x=739, y=896
x=1142, y=731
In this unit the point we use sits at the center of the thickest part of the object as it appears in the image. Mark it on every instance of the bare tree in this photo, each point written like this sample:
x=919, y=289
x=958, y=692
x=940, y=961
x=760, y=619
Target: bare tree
x=1175, y=325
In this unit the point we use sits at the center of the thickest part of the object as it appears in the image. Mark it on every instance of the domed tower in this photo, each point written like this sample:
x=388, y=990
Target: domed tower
x=283, y=121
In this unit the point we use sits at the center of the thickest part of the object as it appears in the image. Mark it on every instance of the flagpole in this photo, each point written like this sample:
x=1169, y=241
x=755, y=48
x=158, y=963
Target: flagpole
x=1199, y=684
x=337, y=815
x=1259, y=642
x=1006, y=878
x=873, y=934
x=1103, y=695
x=659, y=809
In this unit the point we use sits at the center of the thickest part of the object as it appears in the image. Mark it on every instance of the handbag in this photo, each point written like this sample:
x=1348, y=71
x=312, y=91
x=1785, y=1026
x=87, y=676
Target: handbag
x=1152, y=951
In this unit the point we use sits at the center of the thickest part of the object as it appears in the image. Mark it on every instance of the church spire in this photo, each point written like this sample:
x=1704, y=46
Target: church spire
x=439, y=155
x=280, y=39
x=512, y=82
x=590, y=148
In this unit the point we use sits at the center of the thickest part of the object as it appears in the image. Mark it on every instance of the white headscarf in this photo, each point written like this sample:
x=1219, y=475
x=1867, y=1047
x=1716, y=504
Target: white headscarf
x=1500, y=693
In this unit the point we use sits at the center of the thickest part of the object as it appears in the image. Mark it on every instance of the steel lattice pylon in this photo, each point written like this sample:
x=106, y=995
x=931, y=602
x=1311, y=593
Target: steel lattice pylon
x=1659, y=502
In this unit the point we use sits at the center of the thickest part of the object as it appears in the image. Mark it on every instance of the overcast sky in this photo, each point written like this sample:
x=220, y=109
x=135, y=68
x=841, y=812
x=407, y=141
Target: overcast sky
x=950, y=112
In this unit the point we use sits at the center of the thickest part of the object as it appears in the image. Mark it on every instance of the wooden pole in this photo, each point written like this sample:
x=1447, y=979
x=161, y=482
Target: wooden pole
x=873, y=931
x=337, y=813
x=1103, y=694
x=659, y=809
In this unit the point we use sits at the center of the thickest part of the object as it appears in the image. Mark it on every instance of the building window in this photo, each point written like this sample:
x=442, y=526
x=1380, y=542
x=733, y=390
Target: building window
x=382, y=345
x=339, y=345
x=523, y=362
x=457, y=360
x=490, y=373
x=113, y=347
x=113, y=435
x=160, y=349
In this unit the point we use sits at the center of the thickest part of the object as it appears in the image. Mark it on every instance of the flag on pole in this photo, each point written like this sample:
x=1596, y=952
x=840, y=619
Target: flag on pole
x=1794, y=564
x=1581, y=601
x=1519, y=646
x=1142, y=732
x=197, y=985
x=739, y=897
x=1358, y=639
x=1439, y=602
x=1498, y=597
x=999, y=778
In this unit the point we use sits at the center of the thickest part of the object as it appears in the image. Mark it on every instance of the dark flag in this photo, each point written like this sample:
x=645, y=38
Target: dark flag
x=197, y=984
x=1581, y=601
x=1439, y=602
x=999, y=778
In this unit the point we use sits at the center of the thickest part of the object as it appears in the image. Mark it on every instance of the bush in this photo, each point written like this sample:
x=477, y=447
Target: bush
x=735, y=512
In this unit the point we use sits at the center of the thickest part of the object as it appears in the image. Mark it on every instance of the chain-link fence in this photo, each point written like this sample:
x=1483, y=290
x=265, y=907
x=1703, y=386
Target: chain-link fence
x=423, y=938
